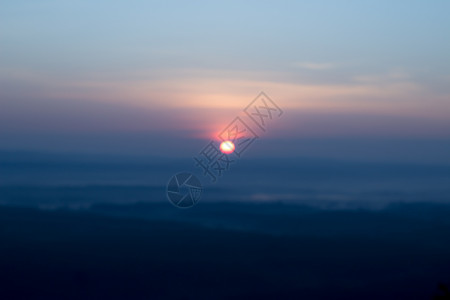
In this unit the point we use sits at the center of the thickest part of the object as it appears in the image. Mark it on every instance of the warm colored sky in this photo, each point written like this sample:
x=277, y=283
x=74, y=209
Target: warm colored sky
x=96, y=75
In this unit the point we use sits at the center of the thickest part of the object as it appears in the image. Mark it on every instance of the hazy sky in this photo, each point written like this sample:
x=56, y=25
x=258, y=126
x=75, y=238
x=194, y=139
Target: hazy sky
x=148, y=76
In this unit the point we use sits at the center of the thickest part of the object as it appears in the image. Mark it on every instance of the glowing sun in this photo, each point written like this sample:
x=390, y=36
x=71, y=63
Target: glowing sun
x=227, y=147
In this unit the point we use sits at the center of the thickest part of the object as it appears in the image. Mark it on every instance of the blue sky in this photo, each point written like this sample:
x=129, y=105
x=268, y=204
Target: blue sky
x=86, y=73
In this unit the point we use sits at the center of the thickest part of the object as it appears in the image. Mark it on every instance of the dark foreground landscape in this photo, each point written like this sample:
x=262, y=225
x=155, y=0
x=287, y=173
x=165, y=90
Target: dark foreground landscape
x=225, y=251
x=82, y=228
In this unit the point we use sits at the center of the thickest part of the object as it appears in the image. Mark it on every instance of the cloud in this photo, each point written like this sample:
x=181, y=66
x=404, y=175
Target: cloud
x=315, y=66
x=395, y=75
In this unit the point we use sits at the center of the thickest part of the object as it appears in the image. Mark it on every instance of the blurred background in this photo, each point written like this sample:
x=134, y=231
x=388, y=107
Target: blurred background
x=346, y=196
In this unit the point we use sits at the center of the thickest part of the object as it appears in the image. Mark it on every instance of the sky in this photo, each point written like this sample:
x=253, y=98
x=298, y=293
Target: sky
x=357, y=80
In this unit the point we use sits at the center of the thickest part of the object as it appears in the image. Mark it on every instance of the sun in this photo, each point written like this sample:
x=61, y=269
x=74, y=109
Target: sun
x=227, y=147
